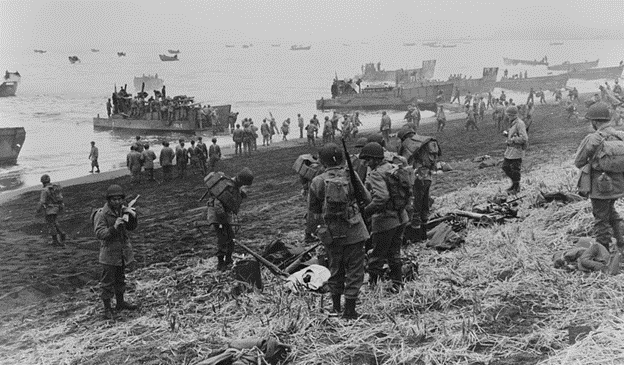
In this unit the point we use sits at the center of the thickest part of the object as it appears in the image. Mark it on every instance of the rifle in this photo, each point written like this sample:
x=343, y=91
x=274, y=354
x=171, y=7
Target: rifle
x=359, y=195
x=297, y=260
x=272, y=268
x=130, y=205
x=203, y=196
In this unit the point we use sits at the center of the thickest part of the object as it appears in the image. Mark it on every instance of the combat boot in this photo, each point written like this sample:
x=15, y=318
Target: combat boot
x=422, y=233
x=228, y=260
x=221, y=263
x=108, y=313
x=350, y=312
x=122, y=304
x=372, y=280
x=336, y=307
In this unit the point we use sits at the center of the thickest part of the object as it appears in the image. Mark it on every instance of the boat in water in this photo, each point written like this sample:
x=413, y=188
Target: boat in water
x=164, y=57
x=552, y=83
x=614, y=72
x=514, y=62
x=229, y=45
x=94, y=50
x=375, y=76
x=429, y=44
x=40, y=51
x=449, y=45
x=409, y=44
x=148, y=82
x=476, y=86
x=9, y=83
x=173, y=51
x=245, y=46
x=74, y=59
x=121, y=54
x=295, y=47
x=576, y=66
x=346, y=95
x=11, y=142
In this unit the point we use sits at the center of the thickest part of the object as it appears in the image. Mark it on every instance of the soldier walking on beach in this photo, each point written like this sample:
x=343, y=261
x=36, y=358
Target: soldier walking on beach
x=202, y=154
x=247, y=140
x=148, y=162
x=181, y=159
x=254, y=134
x=134, y=162
x=456, y=96
x=328, y=130
x=109, y=107
x=93, y=156
x=311, y=131
x=606, y=186
x=219, y=214
x=111, y=225
x=517, y=139
x=214, y=155
x=388, y=218
x=316, y=122
x=51, y=205
x=300, y=123
x=531, y=96
x=441, y=118
x=342, y=230
x=166, y=161
x=237, y=137
x=385, y=127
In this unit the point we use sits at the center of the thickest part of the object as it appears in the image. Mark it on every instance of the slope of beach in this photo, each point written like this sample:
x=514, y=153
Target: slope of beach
x=496, y=300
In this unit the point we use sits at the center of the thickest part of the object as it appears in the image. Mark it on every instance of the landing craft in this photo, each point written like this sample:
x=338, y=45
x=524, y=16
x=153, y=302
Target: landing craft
x=11, y=142
x=598, y=73
x=74, y=59
x=514, y=62
x=164, y=57
x=577, y=66
x=9, y=83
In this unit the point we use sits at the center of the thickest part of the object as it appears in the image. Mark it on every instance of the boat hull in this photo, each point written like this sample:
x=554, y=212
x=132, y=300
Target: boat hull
x=168, y=58
x=8, y=89
x=11, y=142
x=598, y=73
x=192, y=123
x=514, y=62
x=578, y=66
x=543, y=82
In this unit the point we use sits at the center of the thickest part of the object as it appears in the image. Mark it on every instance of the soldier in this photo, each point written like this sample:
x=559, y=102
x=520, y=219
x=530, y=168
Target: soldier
x=617, y=89
x=181, y=159
x=93, y=156
x=108, y=107
x=272, y=128
x=311, y=132
x=254, y=132
x=148, y=162
x=285, y=129
x=517, y=140
x=388, y=219
x=138, y=145
x=248, y=137
x=456, y=96
x=606, y=186
x=356, y=124
x=166, y=160
x=219, y=214
x=342, y=228
x=214, y=154
x=328, y=130
x=193, y=158
x=202, y=153
x=385, y=127
x=482, y=108
x=51, y=204
x=542, y=96
x=316, y=122
x=499, y=113
x=502, y=97
x=237, y=137
x=232, y=121
x=531, y=96
x=441, y=118
x=300, y=123
x=571, y=110
x=134, y=161
x=334, y=122
x=111, y=225
x=470, y=119
x=558, y=95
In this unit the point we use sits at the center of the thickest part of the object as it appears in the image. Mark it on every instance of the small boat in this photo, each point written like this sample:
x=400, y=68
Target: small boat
x=556, y=44
x=476, y=86
x=409, y=44
x=449, y=45
x=514, y=62
x=245, y=46
x=8, y=87
x=300, y=48
x=94, y=50
x=577, y=66
x=429, y=44
x=74, y=59
x=11, y=142
x=121, y=54
x=164, y=57
x=40, y=51
x=229, y=45
x=173, y=52
x=614, y=72
x=553, y=82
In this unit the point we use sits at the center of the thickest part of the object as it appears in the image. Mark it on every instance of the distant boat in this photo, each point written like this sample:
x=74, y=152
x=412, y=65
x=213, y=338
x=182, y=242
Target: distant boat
x=449, y=45
x=11, y=142
x=614, y=72
x=409, y=44
x=577, y=66
x=173, y=52
x=245, y=46
x=40, y=51
x=275, y=45
x=514, y=62
x=229, y=45
x=430, y=44
x=556, y=44
x=300, y=48
x=164, y=57
x=8, y=87
x=94, y=50
x=121, y=54
x=74, y=59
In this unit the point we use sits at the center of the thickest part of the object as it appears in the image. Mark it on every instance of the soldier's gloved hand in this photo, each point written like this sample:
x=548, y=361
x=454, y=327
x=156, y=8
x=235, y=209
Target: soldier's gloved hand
x=129, y=210
x=119, y=222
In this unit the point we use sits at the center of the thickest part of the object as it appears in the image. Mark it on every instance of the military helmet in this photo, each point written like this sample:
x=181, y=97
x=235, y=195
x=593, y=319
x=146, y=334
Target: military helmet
x=45, y=178
x=331, y=155
x=378, y=139
x=599, y=112
x=405, y=133
x=372, y=150
x=361, y=142
x=214, y=139
x=114, y=190
x=245, y=176
x=511, y=110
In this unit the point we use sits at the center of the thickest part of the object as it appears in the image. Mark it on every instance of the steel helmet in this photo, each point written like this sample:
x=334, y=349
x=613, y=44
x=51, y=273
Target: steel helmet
x=45, y=178
x=245, y=176
x=377, y=138
x=114, y=190
x=372, y=150
x=511, y=110
x=361, y=142
x=405, y=133
x=599, y=112
x=331, y=155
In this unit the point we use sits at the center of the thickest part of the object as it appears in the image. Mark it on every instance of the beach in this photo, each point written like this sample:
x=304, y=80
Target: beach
x=50, y=293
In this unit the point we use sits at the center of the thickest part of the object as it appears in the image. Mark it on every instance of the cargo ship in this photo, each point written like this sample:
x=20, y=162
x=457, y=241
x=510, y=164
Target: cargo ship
x=375, y=76
x=347, y=95
x=598, y=73
x=475, y=86
x=576, y=66
x=151, y=83
x=11, y=142
x=542, y=82
x=9, y=83
x=514, y=62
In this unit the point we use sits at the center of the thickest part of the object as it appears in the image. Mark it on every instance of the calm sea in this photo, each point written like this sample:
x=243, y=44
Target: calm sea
x=56, y=100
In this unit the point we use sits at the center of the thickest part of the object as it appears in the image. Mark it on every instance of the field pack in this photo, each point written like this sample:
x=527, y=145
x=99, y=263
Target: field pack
x=422, y=149
x=224, y=189
x=337, y=200
x=400, y=182
x=55, y=192
x=307, y=166
x=610, y=154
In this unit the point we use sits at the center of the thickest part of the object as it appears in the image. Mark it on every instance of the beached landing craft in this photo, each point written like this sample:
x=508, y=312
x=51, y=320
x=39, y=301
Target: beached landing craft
x=11, y=142
x=598, y=73
x=164, y=57
x=295, y=47
x=475, y=86
x=9, y=83
x=148, y=82
x=372, y=76
x=576, y=66
x=514, y=62
x=542, y=82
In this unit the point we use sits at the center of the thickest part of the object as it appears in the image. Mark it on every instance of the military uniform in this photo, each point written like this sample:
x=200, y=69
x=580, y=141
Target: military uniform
x=517, y=140
x=181, y=160
x=214, y=154
x=148, y=162
x=385, y=128
x=93, y=156
x=51, y=208
x=237, y=137
x=166, y=161
x=134, y=161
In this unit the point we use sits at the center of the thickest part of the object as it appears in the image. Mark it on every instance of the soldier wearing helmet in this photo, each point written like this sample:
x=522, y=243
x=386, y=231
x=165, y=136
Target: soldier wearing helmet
x=111, y=225
x=220, y=210
x=517, y=140
x=388, y=222
x=385, y=127
x=333, y=204
x=606, y=186
x=214, y=155
x=51, y=204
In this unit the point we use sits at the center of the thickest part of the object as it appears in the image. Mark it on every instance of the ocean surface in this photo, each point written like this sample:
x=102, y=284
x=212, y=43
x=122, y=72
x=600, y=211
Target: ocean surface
x=56, y=100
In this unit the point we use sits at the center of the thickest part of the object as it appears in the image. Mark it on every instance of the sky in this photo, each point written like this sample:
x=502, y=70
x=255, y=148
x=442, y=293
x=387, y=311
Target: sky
x=43, y=23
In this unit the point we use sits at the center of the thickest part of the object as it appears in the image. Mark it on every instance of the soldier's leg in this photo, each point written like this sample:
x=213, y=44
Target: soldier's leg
x=353, y=261
x=379, y=256
x=601, y=209
x=52, y=228
x=107, y=287
x=336, y=268
x=394, y=257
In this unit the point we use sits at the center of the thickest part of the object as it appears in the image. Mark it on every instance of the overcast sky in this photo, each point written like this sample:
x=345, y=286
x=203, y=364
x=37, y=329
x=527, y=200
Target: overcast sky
x=87, y=22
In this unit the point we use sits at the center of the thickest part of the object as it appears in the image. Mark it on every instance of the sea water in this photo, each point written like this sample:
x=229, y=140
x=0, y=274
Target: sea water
x=56, y=100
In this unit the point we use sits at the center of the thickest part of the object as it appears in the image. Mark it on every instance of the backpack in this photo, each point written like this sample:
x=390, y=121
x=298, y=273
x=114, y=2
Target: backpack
x=338, y=202
x=399, y=182
x=307, y=166
x=610, y=154
x=423, y=150
x=55, y=192
x=223, y=189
